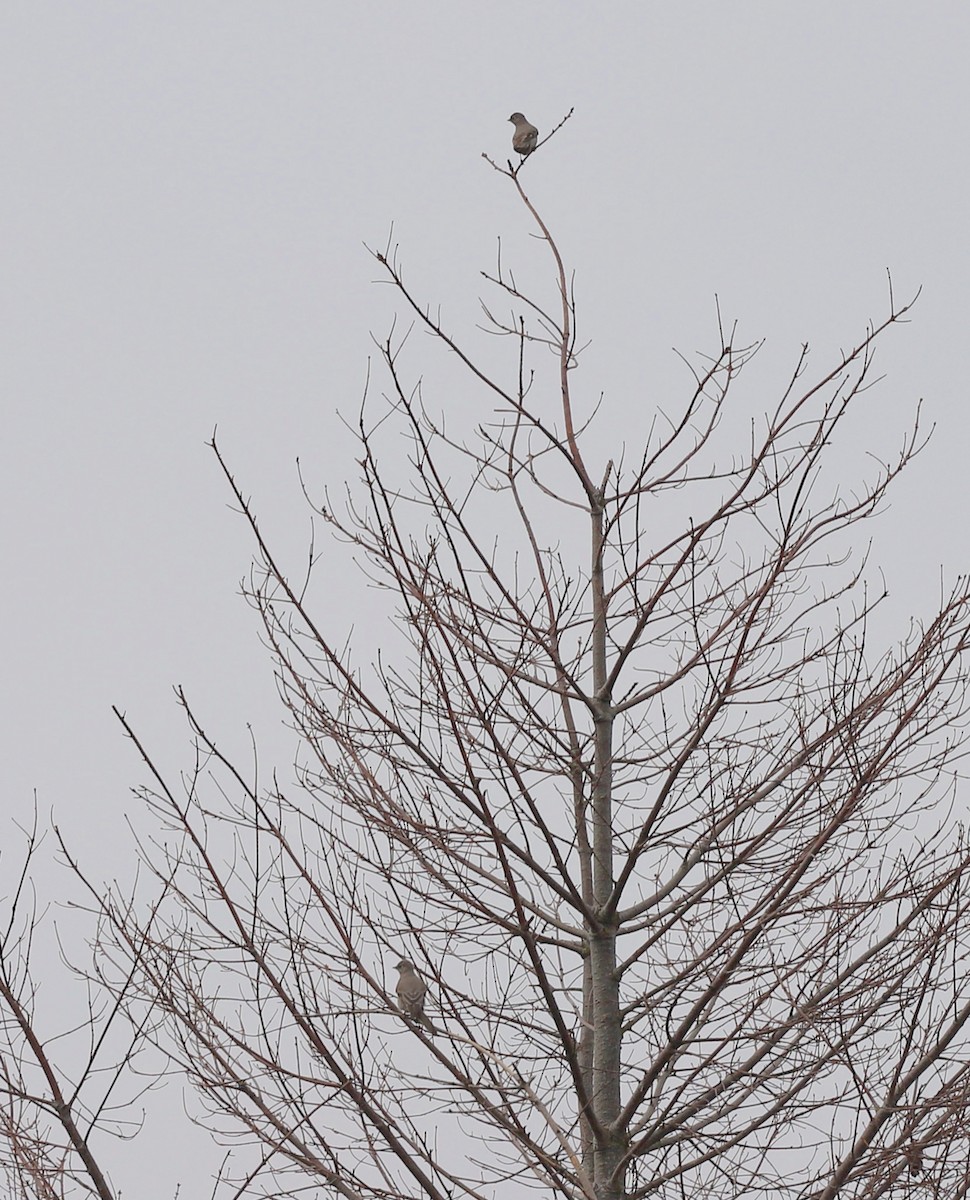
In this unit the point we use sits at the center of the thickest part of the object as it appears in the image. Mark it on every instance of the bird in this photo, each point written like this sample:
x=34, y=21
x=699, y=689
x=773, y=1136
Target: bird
x=913, y=1155
x=411, y=991
x=526, y=135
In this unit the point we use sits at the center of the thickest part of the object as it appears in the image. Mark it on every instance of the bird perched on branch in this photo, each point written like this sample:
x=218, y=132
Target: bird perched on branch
x=525, y=137
x=411, y=991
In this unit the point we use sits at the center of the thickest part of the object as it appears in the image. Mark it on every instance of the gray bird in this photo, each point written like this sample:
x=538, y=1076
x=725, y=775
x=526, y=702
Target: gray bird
x=525, y=137
x=411, y=991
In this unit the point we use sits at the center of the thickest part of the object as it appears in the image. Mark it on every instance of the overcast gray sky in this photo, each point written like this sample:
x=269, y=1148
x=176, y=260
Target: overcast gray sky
x=185, y=194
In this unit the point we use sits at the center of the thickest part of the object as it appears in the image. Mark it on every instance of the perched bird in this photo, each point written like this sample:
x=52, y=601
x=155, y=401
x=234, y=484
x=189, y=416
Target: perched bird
x=525, y=137
x=914, y=1158
x=411, y=991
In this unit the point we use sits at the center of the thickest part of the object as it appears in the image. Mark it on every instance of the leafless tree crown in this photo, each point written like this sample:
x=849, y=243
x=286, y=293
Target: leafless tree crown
x=659, y=820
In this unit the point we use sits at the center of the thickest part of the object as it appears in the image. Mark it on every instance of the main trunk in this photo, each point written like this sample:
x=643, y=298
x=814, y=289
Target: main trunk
x=604, y=992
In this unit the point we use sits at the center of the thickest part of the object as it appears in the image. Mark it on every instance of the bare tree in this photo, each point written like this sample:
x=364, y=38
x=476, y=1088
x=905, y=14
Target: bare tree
x=660, y=820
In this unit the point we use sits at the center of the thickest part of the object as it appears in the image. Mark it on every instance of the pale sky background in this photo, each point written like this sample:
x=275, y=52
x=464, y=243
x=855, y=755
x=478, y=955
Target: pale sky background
x=185, y=194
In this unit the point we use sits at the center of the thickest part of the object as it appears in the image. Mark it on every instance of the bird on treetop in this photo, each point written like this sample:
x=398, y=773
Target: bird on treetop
x=526, y=135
